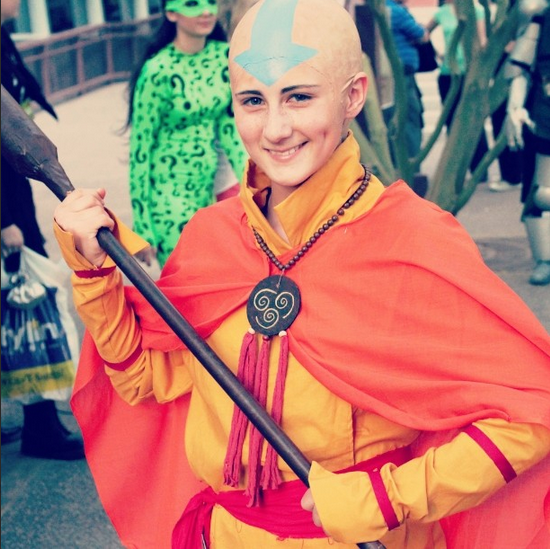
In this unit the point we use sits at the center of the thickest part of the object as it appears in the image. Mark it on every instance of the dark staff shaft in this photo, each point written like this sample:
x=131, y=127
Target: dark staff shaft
x=28, y=149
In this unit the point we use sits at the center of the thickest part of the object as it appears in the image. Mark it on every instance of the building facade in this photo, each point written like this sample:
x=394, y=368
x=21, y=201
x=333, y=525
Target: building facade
x=41, y=18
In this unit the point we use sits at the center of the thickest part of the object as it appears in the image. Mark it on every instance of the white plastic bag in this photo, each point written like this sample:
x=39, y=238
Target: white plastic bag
x=51, y=275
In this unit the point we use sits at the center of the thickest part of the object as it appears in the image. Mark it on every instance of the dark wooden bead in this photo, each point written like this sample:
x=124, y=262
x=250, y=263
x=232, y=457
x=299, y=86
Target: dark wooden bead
x=325, y=227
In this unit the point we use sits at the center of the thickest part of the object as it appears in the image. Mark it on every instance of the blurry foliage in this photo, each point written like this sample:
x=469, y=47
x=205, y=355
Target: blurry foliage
x=484, y=90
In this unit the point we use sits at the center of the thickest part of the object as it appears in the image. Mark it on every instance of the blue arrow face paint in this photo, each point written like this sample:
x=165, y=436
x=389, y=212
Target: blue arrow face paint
x=272, y=52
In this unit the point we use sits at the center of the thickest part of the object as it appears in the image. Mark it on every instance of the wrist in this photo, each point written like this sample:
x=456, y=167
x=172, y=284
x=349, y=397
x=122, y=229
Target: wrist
x=94, y=273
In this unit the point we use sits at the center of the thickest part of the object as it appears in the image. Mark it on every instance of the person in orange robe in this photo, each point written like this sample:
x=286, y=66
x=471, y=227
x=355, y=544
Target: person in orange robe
x=362, y=316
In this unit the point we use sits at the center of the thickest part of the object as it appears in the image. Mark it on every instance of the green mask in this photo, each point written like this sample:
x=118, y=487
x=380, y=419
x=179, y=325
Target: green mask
x=192, y=8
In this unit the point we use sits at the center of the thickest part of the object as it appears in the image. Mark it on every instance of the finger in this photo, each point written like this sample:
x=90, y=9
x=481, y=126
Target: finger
x=82, y=197
x=8, y=252
x=83, y=216
x=316, y=518
x=85, y=202
x=307, y=502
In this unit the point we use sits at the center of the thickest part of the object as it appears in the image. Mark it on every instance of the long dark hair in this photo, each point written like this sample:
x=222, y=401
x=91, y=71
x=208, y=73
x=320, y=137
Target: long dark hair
x=164, y=35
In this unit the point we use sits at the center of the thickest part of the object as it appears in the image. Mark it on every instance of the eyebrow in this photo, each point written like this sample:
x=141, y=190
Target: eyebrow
x=283, y=91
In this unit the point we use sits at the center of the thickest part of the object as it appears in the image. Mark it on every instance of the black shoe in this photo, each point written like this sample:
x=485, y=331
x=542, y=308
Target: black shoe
x=64, y=447
x=11, y=435
x=44, y=436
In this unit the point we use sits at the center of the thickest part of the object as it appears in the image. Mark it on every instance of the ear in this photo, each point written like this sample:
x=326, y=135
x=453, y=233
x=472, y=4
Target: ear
x=356, y=95
x=171, y=16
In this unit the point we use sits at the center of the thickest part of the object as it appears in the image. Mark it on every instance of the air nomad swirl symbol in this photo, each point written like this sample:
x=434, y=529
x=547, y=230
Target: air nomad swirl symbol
x=273, y=305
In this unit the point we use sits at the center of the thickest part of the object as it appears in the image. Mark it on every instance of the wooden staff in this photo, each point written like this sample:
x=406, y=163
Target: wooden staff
x=32, y=154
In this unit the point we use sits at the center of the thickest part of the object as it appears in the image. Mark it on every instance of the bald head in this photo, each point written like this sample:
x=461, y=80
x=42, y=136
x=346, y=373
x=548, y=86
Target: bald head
x=275, y=36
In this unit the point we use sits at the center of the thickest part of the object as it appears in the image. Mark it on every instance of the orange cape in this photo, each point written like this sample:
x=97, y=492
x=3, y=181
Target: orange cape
x=400, y=316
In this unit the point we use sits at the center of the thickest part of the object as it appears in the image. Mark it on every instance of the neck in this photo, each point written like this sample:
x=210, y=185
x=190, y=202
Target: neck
x=189, y=44
x=270, y=214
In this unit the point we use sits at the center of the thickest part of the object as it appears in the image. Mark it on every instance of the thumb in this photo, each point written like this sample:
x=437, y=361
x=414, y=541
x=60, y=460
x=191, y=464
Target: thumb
x=307, y=502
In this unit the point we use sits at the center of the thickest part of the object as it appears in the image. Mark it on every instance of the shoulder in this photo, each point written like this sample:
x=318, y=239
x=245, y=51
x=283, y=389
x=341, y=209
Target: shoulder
x=441, y=12
x=400, y=202
x=218, y=48
x=158, y=62
x=397, y=12
x=225, y=213
x=415, y=228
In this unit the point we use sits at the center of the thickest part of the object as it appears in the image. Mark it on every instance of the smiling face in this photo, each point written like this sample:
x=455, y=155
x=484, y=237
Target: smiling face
x=296, y=85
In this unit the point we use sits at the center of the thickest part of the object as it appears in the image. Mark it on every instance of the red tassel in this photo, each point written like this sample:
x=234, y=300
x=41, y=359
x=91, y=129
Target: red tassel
x=256, y=438
x=253, y=372
x=271, y=476
x=239, y=422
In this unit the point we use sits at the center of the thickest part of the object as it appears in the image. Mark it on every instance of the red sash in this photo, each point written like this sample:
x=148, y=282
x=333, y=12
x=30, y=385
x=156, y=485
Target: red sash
x=279, y=512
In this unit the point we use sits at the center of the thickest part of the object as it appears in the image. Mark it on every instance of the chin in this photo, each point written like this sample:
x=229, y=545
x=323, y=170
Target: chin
x=288, y=178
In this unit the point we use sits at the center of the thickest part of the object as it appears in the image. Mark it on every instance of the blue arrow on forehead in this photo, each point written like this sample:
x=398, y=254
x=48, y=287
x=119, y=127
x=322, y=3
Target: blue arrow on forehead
x=272, y=52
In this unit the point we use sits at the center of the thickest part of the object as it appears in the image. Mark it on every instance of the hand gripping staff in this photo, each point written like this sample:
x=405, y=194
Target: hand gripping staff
x=31, y=153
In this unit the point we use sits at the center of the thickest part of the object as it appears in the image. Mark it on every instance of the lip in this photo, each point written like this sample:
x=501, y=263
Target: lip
x=287, y=153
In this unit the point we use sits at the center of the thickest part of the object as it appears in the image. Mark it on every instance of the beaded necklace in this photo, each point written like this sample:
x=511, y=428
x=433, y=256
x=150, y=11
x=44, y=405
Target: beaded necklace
x=275, y=301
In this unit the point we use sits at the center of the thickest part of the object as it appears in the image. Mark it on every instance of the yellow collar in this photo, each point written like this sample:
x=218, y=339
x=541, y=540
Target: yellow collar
x=315, y=201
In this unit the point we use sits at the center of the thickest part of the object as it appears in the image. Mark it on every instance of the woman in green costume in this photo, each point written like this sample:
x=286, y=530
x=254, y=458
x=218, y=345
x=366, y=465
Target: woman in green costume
x=180, y=107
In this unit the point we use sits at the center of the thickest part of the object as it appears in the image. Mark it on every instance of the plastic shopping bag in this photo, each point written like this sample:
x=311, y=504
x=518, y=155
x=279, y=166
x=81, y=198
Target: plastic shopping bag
x=39, y=340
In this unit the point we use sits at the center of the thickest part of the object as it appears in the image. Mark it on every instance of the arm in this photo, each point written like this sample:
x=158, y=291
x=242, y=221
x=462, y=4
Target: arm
x=231, y=143
x=100, y=301
x=445, y=480
x=481, y=31
x=12, y=237
x=432, y=24
x=518, y=72
x=146, y=120
x=411, y=29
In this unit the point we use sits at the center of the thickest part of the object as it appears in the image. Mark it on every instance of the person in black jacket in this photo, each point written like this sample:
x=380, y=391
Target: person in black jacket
x=43, y=434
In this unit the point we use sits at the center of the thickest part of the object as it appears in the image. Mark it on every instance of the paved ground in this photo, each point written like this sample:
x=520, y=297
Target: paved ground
x=54, y=504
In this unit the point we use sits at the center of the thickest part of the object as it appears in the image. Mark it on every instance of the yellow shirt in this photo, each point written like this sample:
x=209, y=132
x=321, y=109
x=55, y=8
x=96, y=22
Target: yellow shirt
x=329, y=431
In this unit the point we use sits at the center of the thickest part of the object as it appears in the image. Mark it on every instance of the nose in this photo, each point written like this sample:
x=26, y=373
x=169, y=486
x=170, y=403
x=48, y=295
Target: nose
x=278, y=125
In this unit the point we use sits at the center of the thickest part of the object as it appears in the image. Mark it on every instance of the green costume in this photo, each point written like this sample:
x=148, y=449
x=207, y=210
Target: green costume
x=182, y=105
